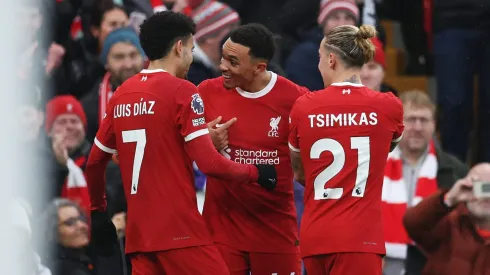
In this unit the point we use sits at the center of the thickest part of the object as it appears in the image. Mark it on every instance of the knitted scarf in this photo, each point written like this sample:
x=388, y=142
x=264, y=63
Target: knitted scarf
x=395, y=198
x=75, y=187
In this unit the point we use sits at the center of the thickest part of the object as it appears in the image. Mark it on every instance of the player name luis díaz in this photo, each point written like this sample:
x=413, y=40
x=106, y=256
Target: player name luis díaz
x=134, y=109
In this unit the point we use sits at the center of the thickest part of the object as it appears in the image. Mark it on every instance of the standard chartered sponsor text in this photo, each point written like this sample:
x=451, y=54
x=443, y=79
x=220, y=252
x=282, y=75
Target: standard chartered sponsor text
x=255, y=156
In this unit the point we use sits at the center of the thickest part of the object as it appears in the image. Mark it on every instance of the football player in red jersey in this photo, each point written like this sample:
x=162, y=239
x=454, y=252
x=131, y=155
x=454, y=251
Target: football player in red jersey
x=255, y=230
x=155, y=122
x=340, y=138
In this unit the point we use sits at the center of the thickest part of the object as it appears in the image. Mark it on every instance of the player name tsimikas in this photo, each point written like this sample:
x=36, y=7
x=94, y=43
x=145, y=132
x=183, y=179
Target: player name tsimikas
x=344, y=119
x=134, y=109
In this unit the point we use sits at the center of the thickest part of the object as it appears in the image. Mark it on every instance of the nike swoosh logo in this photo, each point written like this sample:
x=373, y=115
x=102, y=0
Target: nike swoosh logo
x=273, y=180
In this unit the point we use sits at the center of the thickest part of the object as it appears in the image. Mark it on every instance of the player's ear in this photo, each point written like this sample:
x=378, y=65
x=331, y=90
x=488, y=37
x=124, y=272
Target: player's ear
x=332, y=60
x=260, y=67
x=179, y=48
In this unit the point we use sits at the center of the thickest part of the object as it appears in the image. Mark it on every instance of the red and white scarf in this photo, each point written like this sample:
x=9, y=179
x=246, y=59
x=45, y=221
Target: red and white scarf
x=105, y=93
x=75, y=187
x=395, y=198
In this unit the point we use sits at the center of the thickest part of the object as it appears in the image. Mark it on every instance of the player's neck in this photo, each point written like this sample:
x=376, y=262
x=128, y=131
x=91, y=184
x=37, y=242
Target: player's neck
x=351, y=76
x=163, y=64
x=259, y=83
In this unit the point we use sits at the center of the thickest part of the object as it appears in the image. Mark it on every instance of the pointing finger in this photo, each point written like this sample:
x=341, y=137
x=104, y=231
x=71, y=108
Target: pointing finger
x=214, y=122
x=227, y=124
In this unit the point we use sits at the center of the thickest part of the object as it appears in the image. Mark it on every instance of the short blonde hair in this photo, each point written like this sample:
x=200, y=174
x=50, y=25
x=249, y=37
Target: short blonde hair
x=418, y=99
x=352, y=44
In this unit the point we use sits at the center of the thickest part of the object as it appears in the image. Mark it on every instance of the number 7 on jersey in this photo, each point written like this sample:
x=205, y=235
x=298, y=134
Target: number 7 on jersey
x=362, y=145
x=138, y=136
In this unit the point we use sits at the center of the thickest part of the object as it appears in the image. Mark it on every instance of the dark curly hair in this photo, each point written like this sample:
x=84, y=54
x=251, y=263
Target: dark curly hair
x=258, y=38
x=160, y=32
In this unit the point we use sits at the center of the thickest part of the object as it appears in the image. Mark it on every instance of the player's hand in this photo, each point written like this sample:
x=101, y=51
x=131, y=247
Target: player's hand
x=219, y=133
x=462, y=191
x=104, y=234
x=119, y=221
x=267, y=176
x=59, y=148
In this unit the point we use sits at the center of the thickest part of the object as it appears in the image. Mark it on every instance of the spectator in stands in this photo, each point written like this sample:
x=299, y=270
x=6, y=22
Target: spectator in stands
x=461, y=39
x=81, y=67
x=122, y=57
x=66, y=227
x=214, y=21
x=64, y=231
x=66, y=125
x=302, y=65
x=453, y=227
x=416, y=169
x=105, y=19
x=373, y=72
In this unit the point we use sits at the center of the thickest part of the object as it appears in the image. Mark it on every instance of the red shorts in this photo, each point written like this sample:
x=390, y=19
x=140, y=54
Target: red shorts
x=344, y=264
x=244, y=263
x=198, y=260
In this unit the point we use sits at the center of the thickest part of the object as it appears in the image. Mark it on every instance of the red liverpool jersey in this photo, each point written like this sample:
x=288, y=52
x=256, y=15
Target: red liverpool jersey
x=343, y=134
x=247, y=217
x=148, y=120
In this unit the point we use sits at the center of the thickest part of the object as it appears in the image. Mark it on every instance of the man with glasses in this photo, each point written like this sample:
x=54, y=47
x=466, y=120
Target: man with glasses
x=414, y=170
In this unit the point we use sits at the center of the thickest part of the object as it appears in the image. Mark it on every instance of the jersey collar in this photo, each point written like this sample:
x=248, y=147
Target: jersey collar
x=146, y=71
x=262, y=92
x=347, y=84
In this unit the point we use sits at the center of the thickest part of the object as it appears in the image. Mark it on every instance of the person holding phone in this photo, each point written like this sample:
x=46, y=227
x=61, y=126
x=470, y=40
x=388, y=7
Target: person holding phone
x=452, y=227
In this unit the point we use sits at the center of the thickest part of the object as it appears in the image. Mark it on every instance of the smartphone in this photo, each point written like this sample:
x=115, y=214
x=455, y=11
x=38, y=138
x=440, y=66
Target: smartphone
x=481, y=189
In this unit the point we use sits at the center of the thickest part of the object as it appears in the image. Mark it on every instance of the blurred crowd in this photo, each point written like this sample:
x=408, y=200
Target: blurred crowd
x=77, y=52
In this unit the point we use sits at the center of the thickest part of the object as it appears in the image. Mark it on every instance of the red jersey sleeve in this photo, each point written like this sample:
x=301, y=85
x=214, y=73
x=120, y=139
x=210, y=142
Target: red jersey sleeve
x=397, y=118
x=303, y=90
x=105, y=144
x=190, y=112
x=293, y=128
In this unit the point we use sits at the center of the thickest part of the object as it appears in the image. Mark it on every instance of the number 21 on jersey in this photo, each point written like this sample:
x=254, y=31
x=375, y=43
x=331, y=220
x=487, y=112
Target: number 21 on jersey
x=362, y=145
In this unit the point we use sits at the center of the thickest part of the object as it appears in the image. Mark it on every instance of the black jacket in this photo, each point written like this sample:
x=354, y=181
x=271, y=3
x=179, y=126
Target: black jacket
x=70, y=262
x=461, y=14
x=450, y=170
x=67, y=261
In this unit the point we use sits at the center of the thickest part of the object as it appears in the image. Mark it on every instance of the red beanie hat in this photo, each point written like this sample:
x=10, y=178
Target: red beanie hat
x=63, y=104
x=329, y=6
x=379, y=54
